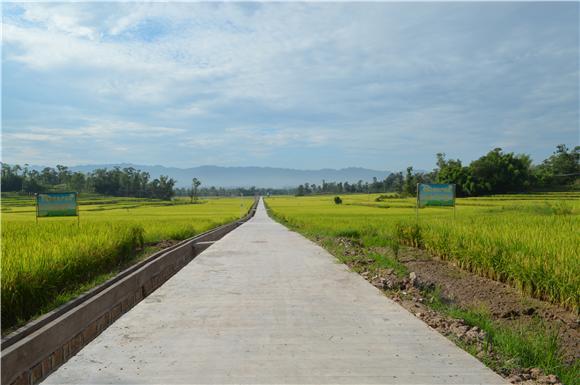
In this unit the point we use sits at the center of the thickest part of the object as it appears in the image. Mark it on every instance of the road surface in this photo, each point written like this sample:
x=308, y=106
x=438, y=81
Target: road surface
x=264, y=305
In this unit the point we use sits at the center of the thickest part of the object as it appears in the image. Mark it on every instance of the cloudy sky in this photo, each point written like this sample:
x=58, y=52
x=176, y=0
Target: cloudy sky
x=378, y=85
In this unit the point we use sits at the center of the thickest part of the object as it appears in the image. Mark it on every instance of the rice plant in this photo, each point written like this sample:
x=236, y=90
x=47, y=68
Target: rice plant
x=42, y=260
x=509, y=238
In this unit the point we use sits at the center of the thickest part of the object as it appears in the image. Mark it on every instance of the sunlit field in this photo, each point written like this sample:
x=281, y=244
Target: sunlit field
x=42, y=260
x=530, y=241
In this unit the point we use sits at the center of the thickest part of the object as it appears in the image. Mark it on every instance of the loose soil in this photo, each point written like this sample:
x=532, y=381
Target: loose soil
x=504, y=304
x=154, y=247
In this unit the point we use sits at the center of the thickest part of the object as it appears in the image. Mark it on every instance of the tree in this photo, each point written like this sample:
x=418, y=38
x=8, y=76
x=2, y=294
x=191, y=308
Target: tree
x=376, y=186
x=561, y=168
x=105, y=181
x=32, y=186
x=300, y=191
x=165, y=187
x=394, y=183
x=49, y=176
x=63, y=174
x=11, y=180
x=410, y=185
x=498, y=173
x=195, y=183
x=452, y=171
x=77, y=181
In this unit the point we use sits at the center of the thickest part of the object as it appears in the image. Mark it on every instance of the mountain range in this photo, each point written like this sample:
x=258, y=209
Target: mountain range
x=249, y=176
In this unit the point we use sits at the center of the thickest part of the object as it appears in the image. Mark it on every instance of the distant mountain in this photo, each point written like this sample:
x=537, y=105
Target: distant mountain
x=249, y=176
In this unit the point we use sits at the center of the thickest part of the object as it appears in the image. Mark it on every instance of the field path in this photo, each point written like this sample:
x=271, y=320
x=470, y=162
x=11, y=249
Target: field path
x=266, y=305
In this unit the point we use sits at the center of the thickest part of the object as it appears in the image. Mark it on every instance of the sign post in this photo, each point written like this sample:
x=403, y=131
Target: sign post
x=435, y=195
x=454, y=201
x=417, y=204
x=57, y=205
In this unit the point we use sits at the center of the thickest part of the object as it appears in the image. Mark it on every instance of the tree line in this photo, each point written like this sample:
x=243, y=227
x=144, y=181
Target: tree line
x=124, y=182
x=496, y=172
x=213, y=191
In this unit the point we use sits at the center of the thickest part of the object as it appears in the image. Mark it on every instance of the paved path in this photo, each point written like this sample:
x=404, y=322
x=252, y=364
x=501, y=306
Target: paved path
x=265, y=305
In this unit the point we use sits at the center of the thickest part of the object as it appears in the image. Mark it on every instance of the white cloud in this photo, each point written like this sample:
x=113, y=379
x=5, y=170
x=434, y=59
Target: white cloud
x=61, y=18
x=93, y=129
x=253, y=139
x=29, y=137
x=358, y=78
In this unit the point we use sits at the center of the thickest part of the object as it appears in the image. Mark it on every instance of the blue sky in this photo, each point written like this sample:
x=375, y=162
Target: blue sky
x=377, y=85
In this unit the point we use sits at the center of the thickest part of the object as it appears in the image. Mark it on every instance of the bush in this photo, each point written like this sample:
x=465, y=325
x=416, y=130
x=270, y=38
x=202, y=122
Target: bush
x=337, y=200
x=384, y=197
x=561, y=208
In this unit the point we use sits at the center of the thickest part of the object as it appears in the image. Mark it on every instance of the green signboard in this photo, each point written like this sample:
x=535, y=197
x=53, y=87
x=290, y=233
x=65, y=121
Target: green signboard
x=57, y=205
x=435, y=195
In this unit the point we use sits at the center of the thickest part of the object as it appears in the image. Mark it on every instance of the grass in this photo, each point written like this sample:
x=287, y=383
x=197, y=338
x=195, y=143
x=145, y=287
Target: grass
x=529, y=345
x=48, y=260
x=530, y=241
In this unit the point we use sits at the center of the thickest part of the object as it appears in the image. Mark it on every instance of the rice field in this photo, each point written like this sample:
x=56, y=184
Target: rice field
x=40, y=261
x=530, y=241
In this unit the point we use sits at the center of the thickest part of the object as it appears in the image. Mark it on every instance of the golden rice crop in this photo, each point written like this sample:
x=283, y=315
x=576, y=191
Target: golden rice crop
x=530, y=241
x=42, y=260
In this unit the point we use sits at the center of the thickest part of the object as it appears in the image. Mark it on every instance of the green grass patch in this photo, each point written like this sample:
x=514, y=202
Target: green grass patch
x=384, y=261
x=524, y=345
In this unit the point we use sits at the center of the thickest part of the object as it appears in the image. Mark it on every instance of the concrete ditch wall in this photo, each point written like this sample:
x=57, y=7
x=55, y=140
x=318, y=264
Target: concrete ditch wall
x=36, y=350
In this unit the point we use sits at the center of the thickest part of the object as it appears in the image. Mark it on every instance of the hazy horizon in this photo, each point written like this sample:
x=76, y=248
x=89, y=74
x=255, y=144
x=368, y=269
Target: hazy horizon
x=303, y=86
x=74, y=166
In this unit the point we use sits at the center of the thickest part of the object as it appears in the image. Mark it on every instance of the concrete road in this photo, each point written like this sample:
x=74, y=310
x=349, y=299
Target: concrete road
x=264, y=305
